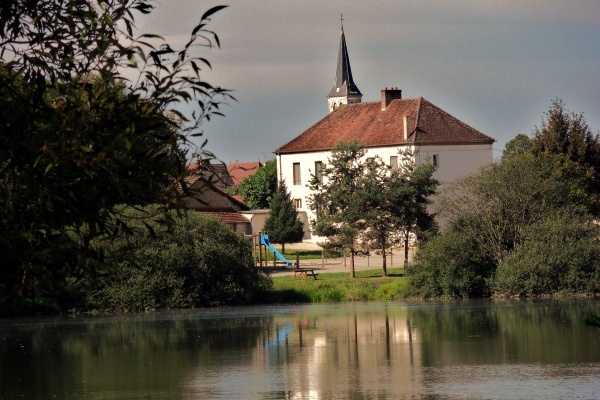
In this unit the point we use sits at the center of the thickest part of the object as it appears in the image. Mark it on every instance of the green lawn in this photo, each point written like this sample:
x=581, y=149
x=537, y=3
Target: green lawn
x=336, y=287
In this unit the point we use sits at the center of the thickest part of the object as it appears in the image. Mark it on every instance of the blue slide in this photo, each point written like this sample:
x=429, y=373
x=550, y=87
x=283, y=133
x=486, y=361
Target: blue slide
x=264, y=239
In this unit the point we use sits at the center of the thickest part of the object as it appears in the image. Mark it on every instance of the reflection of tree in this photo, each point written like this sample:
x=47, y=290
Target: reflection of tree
x=531, y=331
x=124, y=353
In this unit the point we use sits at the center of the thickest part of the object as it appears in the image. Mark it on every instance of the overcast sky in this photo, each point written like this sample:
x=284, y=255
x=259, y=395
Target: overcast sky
x=495, y=65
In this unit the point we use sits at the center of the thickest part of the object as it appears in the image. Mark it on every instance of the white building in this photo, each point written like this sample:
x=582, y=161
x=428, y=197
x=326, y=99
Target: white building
x=383, y=128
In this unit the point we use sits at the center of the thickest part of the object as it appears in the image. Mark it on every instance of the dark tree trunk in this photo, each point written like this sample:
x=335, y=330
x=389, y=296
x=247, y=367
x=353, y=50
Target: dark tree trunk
x=384, y=254
x=406, y=250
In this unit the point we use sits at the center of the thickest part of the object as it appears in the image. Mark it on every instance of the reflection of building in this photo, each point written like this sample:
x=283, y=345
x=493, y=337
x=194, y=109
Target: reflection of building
x=338, y=354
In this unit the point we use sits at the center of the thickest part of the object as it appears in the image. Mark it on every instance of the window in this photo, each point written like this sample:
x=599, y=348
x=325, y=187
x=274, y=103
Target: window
x=297, y=180
x=319, y=171
x=436, y=160
x=394, y=163
x=298, y=203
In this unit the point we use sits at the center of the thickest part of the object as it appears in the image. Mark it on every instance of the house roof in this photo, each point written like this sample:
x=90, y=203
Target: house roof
x=214, y=172
x=240, y=171
x=227, y=217
x=344, y=83
x=206, y=196
x=377, y=127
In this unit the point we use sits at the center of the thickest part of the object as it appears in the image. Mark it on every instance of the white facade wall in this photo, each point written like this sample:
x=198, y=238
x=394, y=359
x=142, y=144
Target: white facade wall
x=454, y=162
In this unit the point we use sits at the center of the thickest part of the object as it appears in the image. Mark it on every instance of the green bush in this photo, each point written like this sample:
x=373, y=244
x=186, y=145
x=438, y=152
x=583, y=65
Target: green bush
x=450, y=265
x=560, y=255
x=199, y=262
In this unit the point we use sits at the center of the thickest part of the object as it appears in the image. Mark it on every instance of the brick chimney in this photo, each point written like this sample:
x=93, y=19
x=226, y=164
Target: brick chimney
x=387, y=95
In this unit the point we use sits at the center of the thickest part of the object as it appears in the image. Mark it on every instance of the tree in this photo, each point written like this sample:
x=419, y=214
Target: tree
x=259, y=188
x=396, y=203
x=77, y=136
x=494, y=206
x=520, y=144
x=337, y=200
x=564, y=132
x=199, y=262
x=409, y=190
x=379, y=209
x=560, y=254
x=282, y=224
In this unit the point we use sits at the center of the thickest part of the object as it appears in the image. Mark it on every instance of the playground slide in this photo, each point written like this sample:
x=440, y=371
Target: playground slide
x=264, y=239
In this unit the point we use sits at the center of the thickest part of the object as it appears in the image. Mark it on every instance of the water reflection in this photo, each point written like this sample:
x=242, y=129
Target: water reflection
x=445, y=350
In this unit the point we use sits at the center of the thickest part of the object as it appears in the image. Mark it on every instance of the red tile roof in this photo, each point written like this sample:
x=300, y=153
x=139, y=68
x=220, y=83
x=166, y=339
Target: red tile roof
x=240, y=171
x=205, y=196
x=374, y=127
x=228, y=217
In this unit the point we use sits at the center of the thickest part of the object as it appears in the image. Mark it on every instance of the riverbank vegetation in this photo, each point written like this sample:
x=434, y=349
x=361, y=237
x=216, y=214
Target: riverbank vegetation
x=89, y=120
x=198, y=262
x=525, y=225
x=337, y=287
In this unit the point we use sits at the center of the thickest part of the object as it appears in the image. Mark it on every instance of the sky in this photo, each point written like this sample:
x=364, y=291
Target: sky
x=496, y=65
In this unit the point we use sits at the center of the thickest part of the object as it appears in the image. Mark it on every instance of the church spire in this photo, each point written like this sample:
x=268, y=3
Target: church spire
x=344, y=90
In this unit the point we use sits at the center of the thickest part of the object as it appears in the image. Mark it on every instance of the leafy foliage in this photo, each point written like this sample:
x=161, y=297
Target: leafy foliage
x=340, y=216
x=567, y=133
x=560, y=254
x=200, y=262
x=88, y=119
x=520, y=144
x=397, y=203
x=451, y=265
x=259, y=188
x=494, y=206
x=384, y=206
x=282, y=224
x=490, y=217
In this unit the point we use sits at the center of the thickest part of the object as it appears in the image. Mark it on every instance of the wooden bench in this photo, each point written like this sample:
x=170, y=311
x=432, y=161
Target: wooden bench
x=304, y=272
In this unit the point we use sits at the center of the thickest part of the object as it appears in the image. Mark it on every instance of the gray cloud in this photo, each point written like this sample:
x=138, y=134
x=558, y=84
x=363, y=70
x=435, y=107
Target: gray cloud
x=496, y=65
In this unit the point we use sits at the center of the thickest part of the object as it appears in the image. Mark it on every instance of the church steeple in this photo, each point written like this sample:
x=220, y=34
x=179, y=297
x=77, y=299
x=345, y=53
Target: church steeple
x=344, y=90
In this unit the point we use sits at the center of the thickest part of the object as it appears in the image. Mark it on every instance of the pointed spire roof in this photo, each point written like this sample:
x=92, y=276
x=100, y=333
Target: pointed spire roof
x=344, y=83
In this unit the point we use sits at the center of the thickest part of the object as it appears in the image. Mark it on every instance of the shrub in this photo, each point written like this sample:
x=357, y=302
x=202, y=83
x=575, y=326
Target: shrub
x=450, y=265
x=199, y=262
x=560, y=254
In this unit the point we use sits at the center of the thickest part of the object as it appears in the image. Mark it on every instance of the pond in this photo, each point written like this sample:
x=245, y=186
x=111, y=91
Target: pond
x=397, y=350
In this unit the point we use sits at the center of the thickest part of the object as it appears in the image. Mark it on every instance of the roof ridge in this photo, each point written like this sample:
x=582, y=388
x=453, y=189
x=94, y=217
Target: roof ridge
x=420, y=100
x=459, y=121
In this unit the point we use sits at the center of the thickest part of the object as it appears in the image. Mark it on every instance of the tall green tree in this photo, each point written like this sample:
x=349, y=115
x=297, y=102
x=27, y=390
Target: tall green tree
x=409, y=190
x=88, y=119
x=337, y=201
x=379, y=217
x=567, y=133
x=283, y=225
x=494, y=206
x=396, y=203
x=518, y=145
x=258, y=189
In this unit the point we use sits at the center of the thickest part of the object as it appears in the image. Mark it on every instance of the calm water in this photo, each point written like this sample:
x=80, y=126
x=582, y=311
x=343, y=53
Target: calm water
x=449, y=350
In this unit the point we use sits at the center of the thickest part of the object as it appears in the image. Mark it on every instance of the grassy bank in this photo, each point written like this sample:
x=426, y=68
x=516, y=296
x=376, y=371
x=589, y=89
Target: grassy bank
x=335, y=287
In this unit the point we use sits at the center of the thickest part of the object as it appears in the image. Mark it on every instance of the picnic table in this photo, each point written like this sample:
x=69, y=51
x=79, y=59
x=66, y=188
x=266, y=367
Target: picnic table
x=304, y=272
